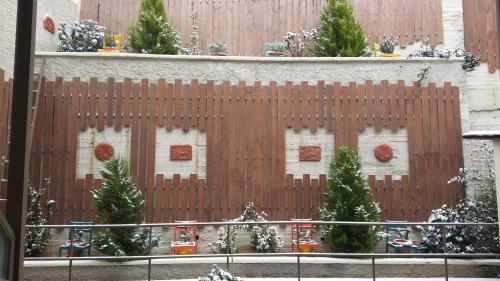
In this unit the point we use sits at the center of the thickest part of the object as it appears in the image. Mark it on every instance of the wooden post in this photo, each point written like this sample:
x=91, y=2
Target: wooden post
x=18, y=156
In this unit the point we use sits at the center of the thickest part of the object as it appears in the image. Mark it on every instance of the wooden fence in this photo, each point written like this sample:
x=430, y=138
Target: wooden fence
x=481, y=30
x=5, y=102
x=245, y=25
x=245, y=131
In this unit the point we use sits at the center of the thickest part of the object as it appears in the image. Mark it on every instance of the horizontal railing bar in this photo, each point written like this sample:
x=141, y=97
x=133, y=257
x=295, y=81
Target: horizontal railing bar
x=266, y=222
x=324, y=255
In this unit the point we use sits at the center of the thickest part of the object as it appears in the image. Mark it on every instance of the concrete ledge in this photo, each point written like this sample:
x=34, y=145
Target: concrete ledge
x=248, y=69
x=261, y=267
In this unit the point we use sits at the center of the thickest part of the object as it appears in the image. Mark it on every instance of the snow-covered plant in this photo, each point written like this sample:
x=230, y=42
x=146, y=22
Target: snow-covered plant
x=186, y=236
x=152, y=33
x=426, y=51
x=348, y=198
x=387, y=46
x=467, y=239
x=266, y=239
x=463, y=239
x=119, y=201
x=298, y=44
x=223, y=245
x=219, y=274
x=84, y=36
x=37, y=239
x=217, y=48
x=304, y=235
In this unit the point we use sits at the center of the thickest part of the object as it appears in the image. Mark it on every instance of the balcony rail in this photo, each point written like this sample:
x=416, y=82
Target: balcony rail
x=373, y=256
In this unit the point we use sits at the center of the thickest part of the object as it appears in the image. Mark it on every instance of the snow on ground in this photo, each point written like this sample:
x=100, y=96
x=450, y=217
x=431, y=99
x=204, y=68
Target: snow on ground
x=361, y=279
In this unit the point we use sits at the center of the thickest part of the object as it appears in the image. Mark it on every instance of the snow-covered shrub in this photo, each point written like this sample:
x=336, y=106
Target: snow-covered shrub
x=220, y=246
x=463, y=239
x=37, y=239
x=119, y=201
x=266, y=239
x=219, y=274
x=426, y=51
x=263, y=232
x=348, y=198
x=84, y=36
x=298, y=44
x=466, y=239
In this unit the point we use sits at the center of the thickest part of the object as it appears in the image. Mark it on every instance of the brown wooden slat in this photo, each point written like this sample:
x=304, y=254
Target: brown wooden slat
x=110, y=94
x=134, y=137
x=84, y=106
x=101, y=106
x=161, y=97
x=127, y=97
x=118, y=108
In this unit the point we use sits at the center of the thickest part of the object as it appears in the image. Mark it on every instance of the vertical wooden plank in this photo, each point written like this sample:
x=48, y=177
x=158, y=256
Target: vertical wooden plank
x=87, y=202
x=168, y=201
x=101, y=100
x=127, y=97
x=158, y=206
x=202, y=117
x=410, y=124
x=353, y=116
x=369, y=103
x=315, y=199
x=290, y=197
x=298, y=204
x=134, y=137
x=151, y=142
x=394, y=107
x=176, y=190
x=435, y=162
x=320, y=92
x=398, y=207
x=110, y=95
x=143, y=135
x=427, y=187
x=337, y=95
x=306, y=196
x=93, y=102
x=304, y=104
x=118, y=120
x=313, y=115
x=289, y=103
x=281, y=158
x=195, y=92
x=193, y=184
x=458, y=130
x=200, y=201
x=84, y=106
x=377, y=107
x=405, y=194
x=162, y=94
x=169, y=110
x=329, y=108
x=186, y=106
x=361, y=96
x=296, y=108
x=178, y=114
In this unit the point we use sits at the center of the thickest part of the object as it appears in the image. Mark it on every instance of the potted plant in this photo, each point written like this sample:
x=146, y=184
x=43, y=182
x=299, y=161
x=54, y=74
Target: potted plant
x=306, y=243
x=217, y=49
x=274, y=49
x=77, y=246
x=387, y=48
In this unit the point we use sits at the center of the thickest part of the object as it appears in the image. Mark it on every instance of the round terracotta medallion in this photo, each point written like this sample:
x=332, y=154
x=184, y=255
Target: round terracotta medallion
x=104, y=151
x=48, y=24
x=383, y=152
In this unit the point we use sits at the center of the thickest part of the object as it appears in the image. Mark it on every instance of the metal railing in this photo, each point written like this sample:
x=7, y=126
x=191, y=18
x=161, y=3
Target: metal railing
x=228, y=255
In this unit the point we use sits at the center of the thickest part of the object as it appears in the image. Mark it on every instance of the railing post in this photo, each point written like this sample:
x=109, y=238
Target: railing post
x=373, y=269
x=150, y=250
x=70, y=252
x=297, y=249
x=228, y=247
x=445, y=251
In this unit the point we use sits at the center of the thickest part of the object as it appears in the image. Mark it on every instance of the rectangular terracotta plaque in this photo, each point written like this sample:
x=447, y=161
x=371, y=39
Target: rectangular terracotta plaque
x=310, y=153
x=181, y=152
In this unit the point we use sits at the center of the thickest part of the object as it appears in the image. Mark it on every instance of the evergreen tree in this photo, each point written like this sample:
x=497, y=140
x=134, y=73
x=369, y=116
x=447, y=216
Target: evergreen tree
x=348, y=198
x=152, y=33
x=37, y=239
x=119, y=201
x=339, y=34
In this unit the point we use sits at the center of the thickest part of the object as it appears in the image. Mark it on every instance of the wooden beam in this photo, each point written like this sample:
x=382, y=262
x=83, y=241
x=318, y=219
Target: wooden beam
x=18, y=154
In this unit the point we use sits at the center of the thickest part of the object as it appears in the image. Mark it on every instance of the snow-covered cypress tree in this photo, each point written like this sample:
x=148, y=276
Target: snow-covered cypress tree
x=119, y=201
x=339, y=34
x=348, y=198
x=152, y=33
x=37, y=239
